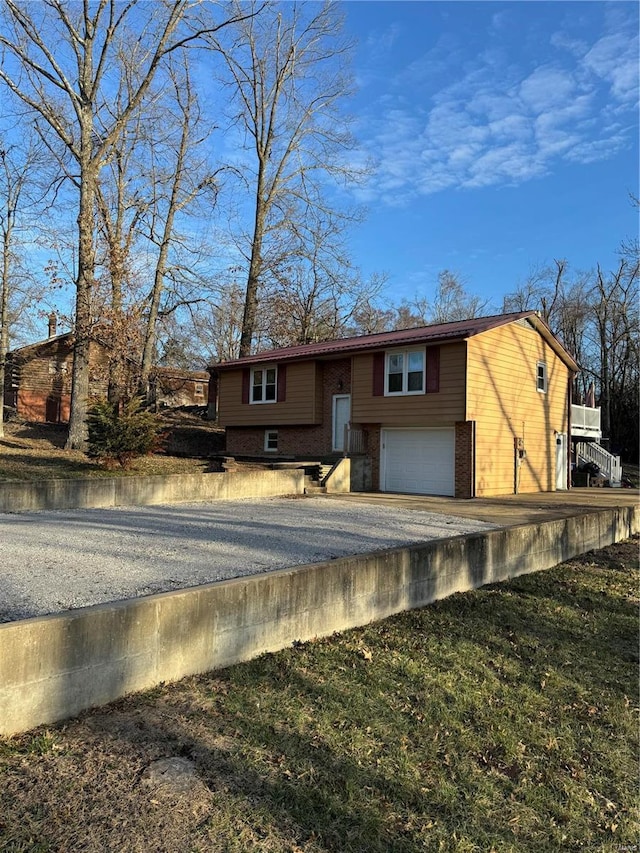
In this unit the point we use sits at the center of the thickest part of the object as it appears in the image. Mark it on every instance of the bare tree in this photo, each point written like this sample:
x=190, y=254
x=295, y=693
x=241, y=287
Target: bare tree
x=316, y=293
x=615, y=315
x=596, y=316
x=176, y=186
x=121, y=205
x=372, y=317
x=218, y=327
x=57, y=60
x=453, y=302
x=287, y=78
x=18, y=165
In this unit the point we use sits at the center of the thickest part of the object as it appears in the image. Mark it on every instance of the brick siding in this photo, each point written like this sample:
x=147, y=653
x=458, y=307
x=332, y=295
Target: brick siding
x=298, y=441
x=464, y=459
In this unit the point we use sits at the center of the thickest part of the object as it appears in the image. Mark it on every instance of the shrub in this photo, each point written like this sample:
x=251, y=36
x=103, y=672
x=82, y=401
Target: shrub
x=122, y=434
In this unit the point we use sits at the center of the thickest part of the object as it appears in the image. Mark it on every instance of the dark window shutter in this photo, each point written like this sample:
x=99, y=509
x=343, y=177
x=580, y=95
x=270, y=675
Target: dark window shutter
x=282, y=383
x=433, y=369
x=378, y=374
x=246, y=379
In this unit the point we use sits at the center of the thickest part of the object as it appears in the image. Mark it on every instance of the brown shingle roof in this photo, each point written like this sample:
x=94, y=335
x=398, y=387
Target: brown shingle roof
x=437, y=333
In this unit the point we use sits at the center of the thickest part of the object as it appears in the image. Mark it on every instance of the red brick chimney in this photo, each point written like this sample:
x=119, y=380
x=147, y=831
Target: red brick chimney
x=53, y=324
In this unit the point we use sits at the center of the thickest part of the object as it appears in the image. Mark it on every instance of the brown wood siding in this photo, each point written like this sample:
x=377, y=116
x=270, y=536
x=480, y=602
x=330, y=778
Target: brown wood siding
x=443, y=407
x=47, y=371
x=299, y=407
x=44, y=376
x=503, y=400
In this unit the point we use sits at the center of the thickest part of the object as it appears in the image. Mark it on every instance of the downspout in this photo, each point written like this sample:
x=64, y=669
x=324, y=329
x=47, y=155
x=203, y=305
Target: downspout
x=572, y=376
x=472, y=483
x=212, y=400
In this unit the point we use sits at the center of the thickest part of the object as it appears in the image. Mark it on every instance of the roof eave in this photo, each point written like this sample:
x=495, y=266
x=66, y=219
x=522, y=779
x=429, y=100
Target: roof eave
x=370, y=343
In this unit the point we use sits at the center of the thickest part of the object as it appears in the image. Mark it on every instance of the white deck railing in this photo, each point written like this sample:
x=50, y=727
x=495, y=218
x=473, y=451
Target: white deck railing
x=609, y=465
x=585, y=422
x=355, y=441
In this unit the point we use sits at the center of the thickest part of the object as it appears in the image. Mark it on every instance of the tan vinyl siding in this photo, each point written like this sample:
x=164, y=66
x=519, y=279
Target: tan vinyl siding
x=299, y=407
x=443, y=407
x=504, y=402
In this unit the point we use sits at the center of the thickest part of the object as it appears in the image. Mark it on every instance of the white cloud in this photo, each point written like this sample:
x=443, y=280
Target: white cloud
x=496, y=122
x=546, y=88
x=614, y=58
x=384, y=40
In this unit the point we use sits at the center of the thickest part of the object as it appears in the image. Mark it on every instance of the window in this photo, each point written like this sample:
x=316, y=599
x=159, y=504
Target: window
x=541, y=377
x=404, y=372
x=263, y=385
x=57, y=366
x=271, y=440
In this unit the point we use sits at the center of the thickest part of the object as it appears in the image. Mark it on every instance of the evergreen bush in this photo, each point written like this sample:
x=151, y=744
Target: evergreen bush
x=122, y=434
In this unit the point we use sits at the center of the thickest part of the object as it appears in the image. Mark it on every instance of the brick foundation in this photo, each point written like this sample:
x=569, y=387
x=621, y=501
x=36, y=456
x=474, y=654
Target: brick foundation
x=292, y=441
x=41, y=407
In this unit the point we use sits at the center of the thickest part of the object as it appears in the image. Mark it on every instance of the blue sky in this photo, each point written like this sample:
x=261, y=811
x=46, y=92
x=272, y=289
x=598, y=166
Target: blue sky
x=504, y=135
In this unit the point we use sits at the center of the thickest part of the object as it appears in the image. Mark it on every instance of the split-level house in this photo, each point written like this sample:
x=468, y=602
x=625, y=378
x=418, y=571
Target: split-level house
x=38, y=379
x=478, y=407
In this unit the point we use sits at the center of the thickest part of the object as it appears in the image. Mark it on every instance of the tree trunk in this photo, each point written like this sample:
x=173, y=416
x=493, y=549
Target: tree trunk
x=255, y=269
x=148, y=350
x=77, y=437
x=250, y=303
x=4, y=320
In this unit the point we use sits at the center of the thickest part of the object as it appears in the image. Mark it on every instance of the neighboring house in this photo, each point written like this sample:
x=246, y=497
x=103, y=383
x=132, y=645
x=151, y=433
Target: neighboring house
x=38, y=379
x=171, y=387
x=472, y=408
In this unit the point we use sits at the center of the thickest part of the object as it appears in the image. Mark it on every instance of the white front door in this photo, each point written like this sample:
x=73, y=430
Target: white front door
x=561, y=460
x=341, y=417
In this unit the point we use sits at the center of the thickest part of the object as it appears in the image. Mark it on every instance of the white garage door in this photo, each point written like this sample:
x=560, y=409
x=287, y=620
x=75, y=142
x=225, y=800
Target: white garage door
x=418, y=461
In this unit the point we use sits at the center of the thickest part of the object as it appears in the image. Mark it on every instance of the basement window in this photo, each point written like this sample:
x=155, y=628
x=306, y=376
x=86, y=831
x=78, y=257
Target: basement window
x=271, y=440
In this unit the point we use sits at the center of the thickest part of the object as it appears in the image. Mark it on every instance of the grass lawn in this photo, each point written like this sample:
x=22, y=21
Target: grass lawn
x=503, y=719
x=30, y=451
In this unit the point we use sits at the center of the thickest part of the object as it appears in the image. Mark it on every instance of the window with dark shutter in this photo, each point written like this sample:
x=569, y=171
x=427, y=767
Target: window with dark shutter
x=405, y=373
x=263, y=384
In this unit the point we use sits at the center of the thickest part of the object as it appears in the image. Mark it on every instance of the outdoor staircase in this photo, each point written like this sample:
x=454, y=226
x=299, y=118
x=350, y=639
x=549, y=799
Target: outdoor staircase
x=312, y=486
x=609, y=465
x=314, y=481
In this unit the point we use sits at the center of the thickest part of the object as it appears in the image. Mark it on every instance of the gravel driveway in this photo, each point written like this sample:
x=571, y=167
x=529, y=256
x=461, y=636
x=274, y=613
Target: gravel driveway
x=55, y=561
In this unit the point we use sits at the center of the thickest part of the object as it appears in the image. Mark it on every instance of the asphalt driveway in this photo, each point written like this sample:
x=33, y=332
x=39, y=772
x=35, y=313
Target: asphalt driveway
x=56, y=561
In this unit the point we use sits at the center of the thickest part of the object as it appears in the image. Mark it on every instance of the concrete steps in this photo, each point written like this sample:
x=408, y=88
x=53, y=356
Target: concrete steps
x=313, y=487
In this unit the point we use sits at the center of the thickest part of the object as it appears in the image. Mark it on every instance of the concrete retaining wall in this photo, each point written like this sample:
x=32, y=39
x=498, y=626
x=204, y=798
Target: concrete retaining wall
x=145, y=491
x=52, y=667
x=339, y=479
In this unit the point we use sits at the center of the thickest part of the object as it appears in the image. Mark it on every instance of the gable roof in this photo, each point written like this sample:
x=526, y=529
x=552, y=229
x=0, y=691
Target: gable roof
x=29, y=350
x=435, y=334
x=38, y=348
